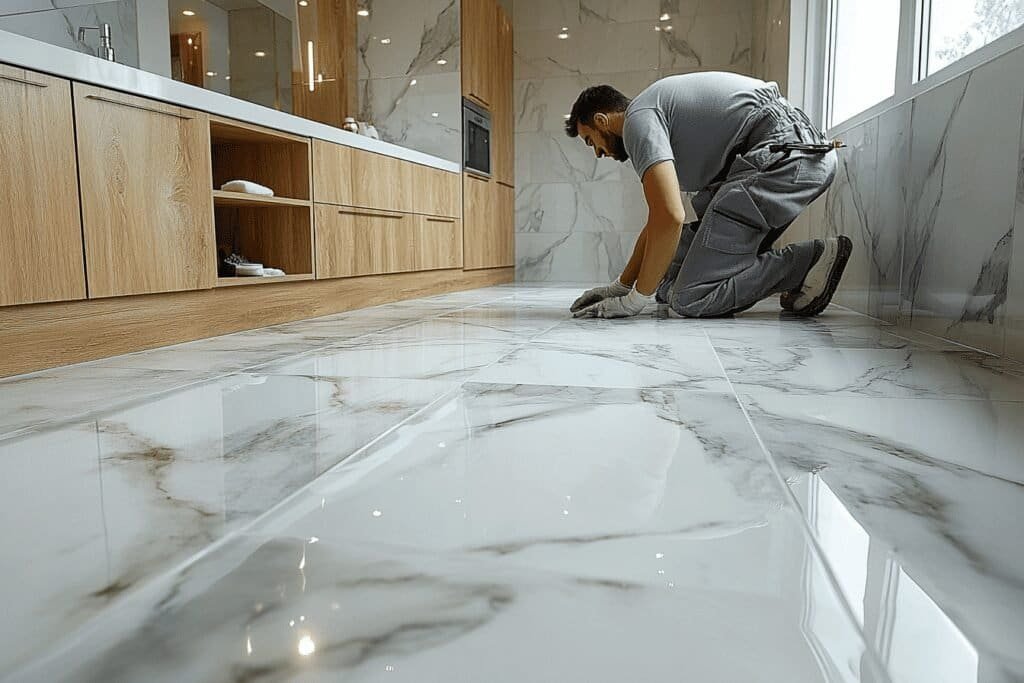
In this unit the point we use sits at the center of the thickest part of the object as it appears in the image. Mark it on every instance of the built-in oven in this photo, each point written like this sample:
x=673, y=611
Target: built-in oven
x=476, y=138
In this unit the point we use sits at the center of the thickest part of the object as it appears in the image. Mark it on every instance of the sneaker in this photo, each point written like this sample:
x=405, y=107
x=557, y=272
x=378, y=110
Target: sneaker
x=815, y=293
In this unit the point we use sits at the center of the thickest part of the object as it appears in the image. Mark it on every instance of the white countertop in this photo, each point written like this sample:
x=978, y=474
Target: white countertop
x=33, y=54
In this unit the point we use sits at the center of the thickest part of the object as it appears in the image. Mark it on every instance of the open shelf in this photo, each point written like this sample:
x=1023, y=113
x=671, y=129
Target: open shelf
x=223, y=198
x=241, y=281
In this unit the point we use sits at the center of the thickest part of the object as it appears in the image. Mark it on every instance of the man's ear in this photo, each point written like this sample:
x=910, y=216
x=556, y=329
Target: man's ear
x=601, y=121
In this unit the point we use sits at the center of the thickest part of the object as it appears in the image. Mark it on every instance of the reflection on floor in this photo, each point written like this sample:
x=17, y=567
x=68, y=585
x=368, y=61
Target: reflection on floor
x=477, y=487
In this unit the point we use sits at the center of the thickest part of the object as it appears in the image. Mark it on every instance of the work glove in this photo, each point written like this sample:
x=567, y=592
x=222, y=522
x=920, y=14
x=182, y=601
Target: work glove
x=617, y=307
x=592, y=296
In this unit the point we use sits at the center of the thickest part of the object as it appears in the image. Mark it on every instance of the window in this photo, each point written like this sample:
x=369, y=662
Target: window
x=864, y=37
x=951, y=29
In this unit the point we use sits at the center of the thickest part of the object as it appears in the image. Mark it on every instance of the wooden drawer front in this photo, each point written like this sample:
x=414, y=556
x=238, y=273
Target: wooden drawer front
x=437, y=192
x=439, y=244
x=41, y=257
x=353, y=177
x=356, y=241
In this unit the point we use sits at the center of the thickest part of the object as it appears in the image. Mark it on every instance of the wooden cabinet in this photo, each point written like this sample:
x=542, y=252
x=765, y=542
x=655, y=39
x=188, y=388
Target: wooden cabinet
x=147, y=206
x=439, y=243
x=40, y=230
x=503, y=110
x=489, y=236
x=354, y=177
x=479, y=56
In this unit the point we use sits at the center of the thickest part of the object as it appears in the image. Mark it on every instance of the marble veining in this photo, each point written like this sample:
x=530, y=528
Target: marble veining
x=477, y=485
x=57, y=22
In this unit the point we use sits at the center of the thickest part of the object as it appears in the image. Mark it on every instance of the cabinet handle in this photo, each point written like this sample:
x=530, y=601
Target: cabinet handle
x=440, y=220
x=154, y=110
x=23, y=81
x=482, y=100
x=372, y=214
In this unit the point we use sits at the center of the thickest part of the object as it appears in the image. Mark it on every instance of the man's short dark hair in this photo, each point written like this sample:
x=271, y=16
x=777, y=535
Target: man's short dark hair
x=596, y=99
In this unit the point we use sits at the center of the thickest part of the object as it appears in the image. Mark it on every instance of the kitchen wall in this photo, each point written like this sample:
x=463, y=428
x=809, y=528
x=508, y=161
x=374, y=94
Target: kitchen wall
x=425, y=115
x=930, y=191
x=57, y=22
x=769, y=47
x=576, y=216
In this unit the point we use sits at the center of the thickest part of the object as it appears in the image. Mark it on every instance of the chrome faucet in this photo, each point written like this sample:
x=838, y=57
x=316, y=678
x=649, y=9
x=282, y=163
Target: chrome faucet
x=106, y=49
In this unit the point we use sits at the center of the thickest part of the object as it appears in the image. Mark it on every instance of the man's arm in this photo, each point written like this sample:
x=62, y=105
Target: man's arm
x=656, y=245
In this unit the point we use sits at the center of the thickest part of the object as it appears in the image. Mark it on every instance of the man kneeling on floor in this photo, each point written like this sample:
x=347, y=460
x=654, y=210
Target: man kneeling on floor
x=755, y=163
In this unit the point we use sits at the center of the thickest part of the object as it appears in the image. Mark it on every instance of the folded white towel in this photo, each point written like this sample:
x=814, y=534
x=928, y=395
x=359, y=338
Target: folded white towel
x=247, y=187
x=272, y=272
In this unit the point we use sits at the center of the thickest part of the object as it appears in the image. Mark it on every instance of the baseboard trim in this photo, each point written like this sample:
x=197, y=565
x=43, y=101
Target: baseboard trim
x=40, y=336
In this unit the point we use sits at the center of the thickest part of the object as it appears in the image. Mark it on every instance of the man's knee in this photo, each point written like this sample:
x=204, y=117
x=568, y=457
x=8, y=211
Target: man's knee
x=703, y=301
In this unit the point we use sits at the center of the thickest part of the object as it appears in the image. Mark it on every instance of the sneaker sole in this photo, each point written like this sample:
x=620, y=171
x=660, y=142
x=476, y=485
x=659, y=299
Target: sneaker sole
x=821, y=302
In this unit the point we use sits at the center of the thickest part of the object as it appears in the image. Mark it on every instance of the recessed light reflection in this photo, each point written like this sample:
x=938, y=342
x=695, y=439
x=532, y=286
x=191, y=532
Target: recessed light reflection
x=363, y=12
x=377, y=513
x=188, y=13
x=663, y=17
x=306, y=646
x=385, y=41
x=442, y=62
x=659, y=555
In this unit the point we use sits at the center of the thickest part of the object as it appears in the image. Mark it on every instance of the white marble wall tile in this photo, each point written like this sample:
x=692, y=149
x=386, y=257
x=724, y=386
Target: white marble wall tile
x=23, y=6
x=420, y=35
x=590, y=48
x=60, y=27
x=404, y=113
x=851, y=210
x=718, y=41
x=963, y=178
x=420, y=32
x=586, y=257
x=604, y=206
x=1015, y=297
x=891, y=216
x=770, y=42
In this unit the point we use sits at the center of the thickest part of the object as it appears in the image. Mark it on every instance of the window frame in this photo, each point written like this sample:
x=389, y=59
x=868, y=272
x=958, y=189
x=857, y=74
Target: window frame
x=812, y=59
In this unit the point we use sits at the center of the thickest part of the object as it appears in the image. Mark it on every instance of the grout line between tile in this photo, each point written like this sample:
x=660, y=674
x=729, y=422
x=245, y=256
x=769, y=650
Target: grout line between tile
x=809, y=535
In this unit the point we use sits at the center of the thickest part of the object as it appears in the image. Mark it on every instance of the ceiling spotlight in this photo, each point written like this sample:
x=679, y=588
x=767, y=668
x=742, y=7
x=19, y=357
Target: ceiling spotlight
x=188, y=13
x=211, y=74
x=442, y=62
x=227, y=78
x=303, y=3
x=260, y=53
x=190, y=41
x=363, y=12
x=663, y=17
x=669, y=27
x=412, y=82
x=563, y=35
x=434, y=114
x=657, y=28
x=385, y=41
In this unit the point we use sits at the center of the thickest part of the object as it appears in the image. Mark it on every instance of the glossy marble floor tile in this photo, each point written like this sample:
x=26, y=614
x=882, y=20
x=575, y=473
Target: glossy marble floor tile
x=917, y=505
x=883, y=373
x=476, y=486
x=420, y=559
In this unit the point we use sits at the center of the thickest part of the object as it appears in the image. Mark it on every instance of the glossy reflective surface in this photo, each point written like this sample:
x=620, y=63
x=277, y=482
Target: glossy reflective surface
x=477, y=487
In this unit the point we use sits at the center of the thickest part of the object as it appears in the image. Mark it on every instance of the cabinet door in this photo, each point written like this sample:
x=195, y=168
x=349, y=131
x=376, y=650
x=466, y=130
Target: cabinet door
x=479, y=214
x=505, y=224
x=478, y=49
x=439, y=243
x=502, y=121
x=147, y=204
x=437, y=192
x=351, y=241
x=40, y=230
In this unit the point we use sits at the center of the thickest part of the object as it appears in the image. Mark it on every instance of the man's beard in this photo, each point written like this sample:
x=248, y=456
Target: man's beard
x=618, y=148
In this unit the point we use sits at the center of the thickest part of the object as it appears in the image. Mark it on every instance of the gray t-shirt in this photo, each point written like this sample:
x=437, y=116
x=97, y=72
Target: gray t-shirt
x=694, y=120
